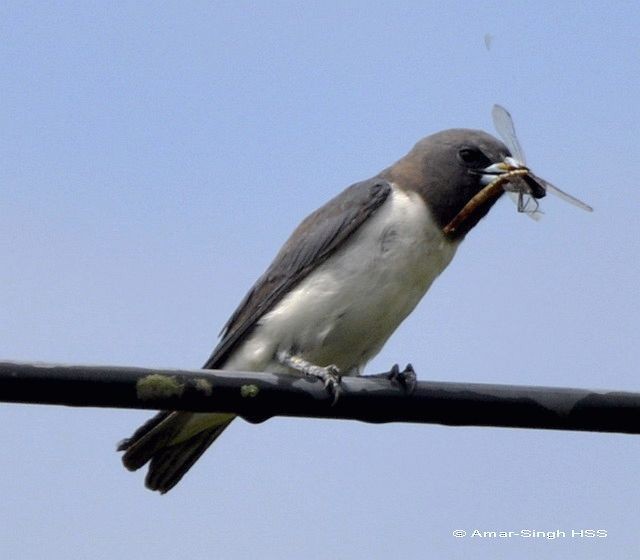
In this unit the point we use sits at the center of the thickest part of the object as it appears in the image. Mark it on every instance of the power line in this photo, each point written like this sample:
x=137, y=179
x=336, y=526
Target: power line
x=259, y=396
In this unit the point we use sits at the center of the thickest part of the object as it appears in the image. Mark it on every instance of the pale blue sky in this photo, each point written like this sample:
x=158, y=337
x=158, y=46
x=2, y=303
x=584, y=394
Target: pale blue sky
x=155, y=156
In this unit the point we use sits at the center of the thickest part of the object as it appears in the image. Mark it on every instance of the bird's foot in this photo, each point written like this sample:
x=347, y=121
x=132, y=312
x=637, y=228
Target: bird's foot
x=406, y=378
x=329, y=375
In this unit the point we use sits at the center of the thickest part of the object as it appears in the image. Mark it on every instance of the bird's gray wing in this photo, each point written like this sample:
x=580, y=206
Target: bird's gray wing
x=313, y=241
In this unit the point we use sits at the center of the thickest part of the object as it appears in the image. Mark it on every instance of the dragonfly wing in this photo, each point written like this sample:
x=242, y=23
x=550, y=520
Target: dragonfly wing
x=563, y=195
x=504, y=125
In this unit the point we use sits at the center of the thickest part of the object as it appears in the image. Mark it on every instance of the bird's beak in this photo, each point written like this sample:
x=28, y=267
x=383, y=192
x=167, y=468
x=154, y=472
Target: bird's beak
x=490, y=173
x=510, y=170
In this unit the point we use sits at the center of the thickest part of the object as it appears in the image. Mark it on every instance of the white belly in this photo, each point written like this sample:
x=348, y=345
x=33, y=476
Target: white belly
x=345, y=310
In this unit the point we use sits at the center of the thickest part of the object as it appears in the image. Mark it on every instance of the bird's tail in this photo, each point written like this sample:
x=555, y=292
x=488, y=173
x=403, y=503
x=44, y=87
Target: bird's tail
x=161, y=443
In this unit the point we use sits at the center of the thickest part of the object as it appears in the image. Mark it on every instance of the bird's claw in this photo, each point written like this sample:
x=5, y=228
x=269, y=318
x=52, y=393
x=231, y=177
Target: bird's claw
x=406, y=378
x=330, y=376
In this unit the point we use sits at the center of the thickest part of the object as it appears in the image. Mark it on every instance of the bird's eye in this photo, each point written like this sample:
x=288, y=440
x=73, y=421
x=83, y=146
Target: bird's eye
x=473, y=158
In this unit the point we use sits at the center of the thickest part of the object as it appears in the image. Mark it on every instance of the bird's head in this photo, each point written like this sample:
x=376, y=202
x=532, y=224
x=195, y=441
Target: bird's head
x=449, y=168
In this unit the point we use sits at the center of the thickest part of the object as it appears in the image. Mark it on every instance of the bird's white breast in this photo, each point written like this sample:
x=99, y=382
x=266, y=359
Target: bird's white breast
x=344, y=311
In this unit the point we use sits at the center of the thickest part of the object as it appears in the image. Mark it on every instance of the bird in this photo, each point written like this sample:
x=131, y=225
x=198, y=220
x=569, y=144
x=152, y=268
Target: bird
x=341, y=284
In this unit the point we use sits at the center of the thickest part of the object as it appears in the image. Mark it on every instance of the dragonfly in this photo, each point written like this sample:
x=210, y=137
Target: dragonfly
x=520, y=183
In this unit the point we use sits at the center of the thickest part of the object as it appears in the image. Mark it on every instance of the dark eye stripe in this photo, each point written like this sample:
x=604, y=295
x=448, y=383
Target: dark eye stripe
x=473, y=157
